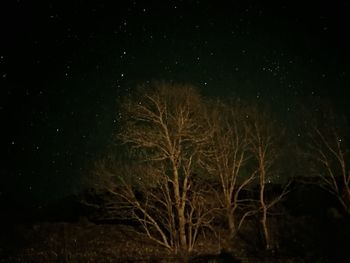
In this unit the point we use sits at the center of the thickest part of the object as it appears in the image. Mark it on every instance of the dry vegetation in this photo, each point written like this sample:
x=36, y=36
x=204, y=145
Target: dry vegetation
x=88, y=242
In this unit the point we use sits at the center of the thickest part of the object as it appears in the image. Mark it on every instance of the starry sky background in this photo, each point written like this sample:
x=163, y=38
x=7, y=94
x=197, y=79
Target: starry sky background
x=64, y=63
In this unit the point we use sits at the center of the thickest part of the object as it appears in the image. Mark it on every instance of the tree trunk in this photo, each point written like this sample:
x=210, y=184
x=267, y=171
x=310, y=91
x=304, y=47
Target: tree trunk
x=262, y=200
x=231, y=222
x=182, y=228
x=265, y=229
x=180, y=209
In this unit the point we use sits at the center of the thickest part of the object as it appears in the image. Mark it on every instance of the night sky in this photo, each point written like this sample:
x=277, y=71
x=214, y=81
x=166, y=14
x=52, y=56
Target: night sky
x=64, y=64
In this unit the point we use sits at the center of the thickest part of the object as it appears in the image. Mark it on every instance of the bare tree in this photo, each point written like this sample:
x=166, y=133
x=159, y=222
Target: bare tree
x=226, y=160
x=329, y=156
x=163, y=128
x=264, y=142
x=170, y=135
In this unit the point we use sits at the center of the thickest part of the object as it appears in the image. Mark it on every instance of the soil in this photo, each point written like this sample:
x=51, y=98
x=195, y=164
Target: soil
x=83, y=241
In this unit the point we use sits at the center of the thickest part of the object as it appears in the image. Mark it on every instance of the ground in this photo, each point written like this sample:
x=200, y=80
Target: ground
x=86, y=242
x=79, y=242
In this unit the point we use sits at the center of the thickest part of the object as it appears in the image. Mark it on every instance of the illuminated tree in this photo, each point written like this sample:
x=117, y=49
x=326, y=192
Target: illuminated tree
x=162, y=128
x=265, y=146
x=227, y=160
x=175, y=142
x=329, y=156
